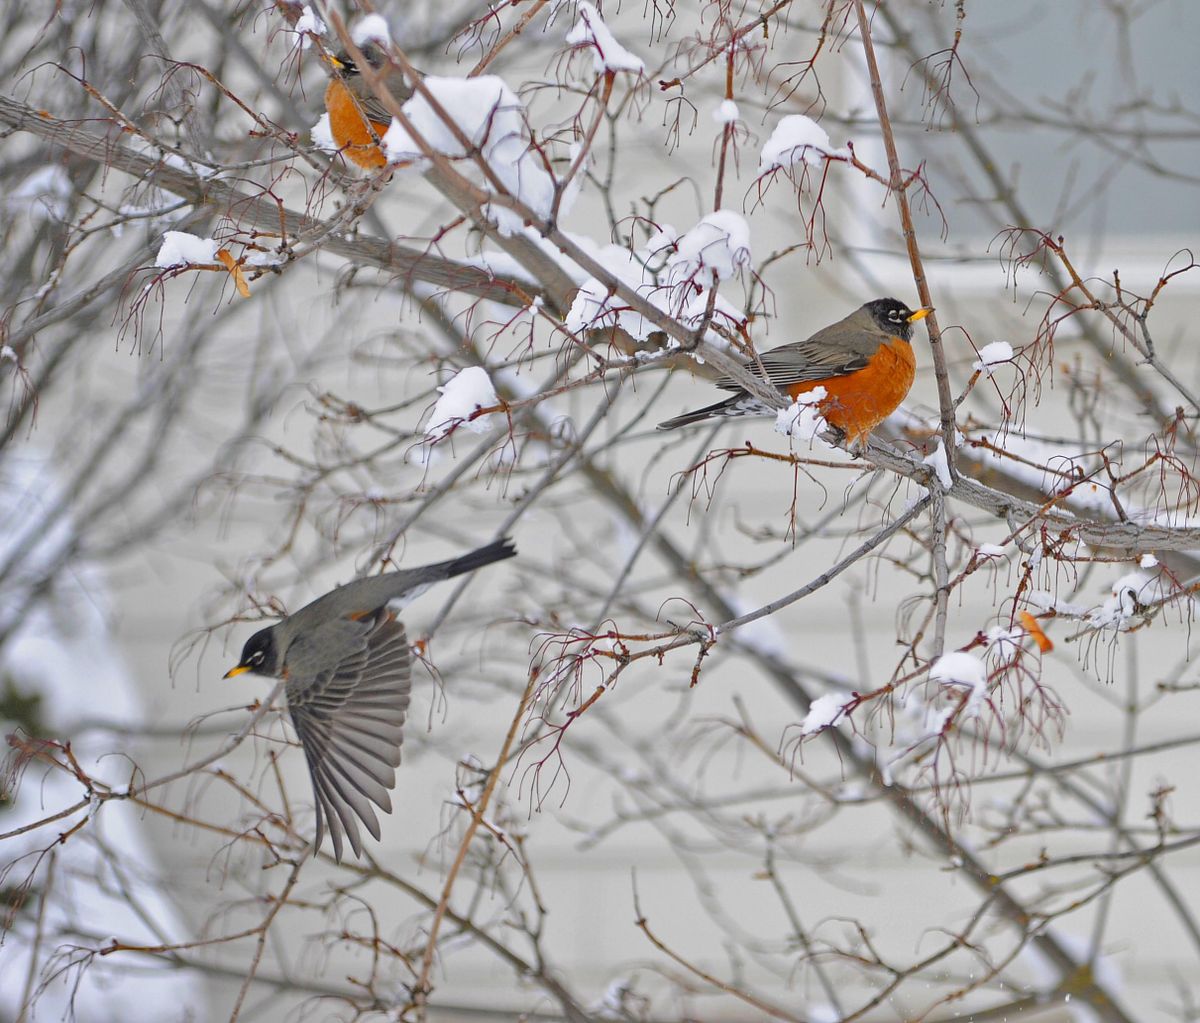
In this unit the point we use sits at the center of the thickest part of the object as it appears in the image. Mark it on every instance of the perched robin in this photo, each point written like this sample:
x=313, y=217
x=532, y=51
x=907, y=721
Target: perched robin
x=357, y=117
x=348, y=670
x=865, y=363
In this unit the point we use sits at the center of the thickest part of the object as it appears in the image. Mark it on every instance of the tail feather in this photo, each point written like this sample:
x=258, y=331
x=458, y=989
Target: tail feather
x=497, y=551
x=697, y=415
x=739, y=405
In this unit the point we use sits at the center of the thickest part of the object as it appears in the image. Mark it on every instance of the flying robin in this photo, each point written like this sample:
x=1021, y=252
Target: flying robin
x=357, y=117
x=348, y=670
x=865, y=363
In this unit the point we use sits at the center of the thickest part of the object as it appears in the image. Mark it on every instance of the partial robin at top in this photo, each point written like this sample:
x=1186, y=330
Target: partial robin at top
x=358, y=119
x=865, y=363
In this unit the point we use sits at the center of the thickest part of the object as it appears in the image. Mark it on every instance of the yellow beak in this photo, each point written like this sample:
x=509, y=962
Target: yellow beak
x=920, y=314
x=241, y=669
x=332, y=61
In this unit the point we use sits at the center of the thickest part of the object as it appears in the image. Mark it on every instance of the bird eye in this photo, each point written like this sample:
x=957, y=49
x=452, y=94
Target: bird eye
x=256, y=657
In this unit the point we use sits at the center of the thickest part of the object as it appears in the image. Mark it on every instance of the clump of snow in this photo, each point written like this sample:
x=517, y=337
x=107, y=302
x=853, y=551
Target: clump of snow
x=960, y=668
x=7, y=354
x=481, y=108
x=797, y=139
x=991, y=550
x=309, y=21
x=1003, y=642
x=595, y=307
x=372, y=28
x=941, y=465
x=322, y=136
x=1043, y=600
x=823, y=712
x=1127, y=599
x=669, y=274
x=1148, y=561
x=663, y=241
x=802, y=419
x=718, y=244
x=265, y=259
x=724, y=313
x=726, y=112
x=181, y=249
x=489, y=114
x=989, y=355
x=609, y=55
x=461, y=395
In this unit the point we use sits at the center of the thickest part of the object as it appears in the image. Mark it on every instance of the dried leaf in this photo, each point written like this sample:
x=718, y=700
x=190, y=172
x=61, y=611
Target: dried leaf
x=235, y=271
x=1035, y=630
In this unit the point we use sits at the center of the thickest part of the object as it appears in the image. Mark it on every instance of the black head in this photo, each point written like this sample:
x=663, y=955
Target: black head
x=372, y=53
x=259, y=655
x=895, y=317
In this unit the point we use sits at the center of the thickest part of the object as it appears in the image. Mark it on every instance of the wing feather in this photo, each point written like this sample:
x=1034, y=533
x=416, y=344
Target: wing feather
x=373, y=107
x=801, y=362
x=840, y=348
x=350, y=720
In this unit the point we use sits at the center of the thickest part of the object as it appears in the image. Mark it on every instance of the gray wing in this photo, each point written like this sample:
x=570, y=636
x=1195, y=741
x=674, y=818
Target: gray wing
x=840, y=348
x=349, y=717
x=373, y=107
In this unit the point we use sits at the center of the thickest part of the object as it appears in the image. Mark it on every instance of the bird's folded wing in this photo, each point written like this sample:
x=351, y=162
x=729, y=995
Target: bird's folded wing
x=802, y=362
x=350, y=721
x=373, y=106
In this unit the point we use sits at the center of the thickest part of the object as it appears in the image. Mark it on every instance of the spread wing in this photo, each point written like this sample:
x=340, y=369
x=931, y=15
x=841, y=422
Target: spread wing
x=349, y=718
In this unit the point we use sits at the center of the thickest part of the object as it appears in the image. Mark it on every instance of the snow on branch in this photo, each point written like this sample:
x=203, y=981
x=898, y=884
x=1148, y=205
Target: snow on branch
x=464, y=394
x=797, y=139
x=676, y=274
x=590, y=32
x=182, y=249
x=491, y=117
x=371, y=29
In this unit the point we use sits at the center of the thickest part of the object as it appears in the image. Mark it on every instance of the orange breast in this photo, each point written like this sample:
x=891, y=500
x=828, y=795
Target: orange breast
x=351, y=130
x=858, y=402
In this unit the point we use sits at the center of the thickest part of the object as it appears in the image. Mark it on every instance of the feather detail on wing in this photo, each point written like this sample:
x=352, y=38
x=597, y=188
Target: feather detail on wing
x=350, y=721
x=376, y=112
x=801, y=362
x=374, y=107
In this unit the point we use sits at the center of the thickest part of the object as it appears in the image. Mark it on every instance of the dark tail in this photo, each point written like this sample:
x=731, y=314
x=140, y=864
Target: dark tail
x=497, y=551
x=720, y=408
